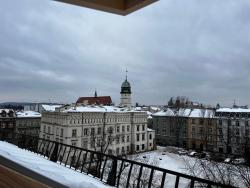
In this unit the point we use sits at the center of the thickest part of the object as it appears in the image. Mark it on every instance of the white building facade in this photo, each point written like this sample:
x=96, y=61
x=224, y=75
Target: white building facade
x=108, y=129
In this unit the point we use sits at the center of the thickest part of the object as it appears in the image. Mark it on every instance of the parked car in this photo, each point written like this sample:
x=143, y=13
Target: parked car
x=182, y=152
x=239, y=161
x=193, y=154
x=228, y=160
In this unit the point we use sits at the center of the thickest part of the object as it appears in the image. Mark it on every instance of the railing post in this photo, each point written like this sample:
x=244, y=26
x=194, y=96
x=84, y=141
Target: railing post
x=112, y=174
x=53, y=157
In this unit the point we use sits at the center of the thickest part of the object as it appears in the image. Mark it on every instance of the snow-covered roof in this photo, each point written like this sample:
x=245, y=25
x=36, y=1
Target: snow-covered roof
x=150, y=130
x=99, y=109
x=57, y=172
x=27, y=114
x=6, y=110
x=239, y=110
x=50, y=108
x=186, y=112
x=197, y=113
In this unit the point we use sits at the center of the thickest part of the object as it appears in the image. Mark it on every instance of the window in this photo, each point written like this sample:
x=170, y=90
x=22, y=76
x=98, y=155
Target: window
x=73, y=142
x=44, y=129
x=142, y=146
x=220, y=122
x=110, y=130
x=123, y=139
x=92, y=131
x=99, y=130
x=138, y=127
x=237, y=131
x=143, y=127
x=85, y=132
x=117, y=139
x=237, y=123
x=193, y=121
x=150, y=136
x=123, y=150
x=128, y=128
x=92, y=143
x=246, y=123
x=201, y=121
x=74, y=133
x=118, y=129
x=137, y=147
x=220, y=131
x=123, y=128
x=61, y=134
x=143, y=136
x=138, y=137
x=127, y=138
x=193, y=128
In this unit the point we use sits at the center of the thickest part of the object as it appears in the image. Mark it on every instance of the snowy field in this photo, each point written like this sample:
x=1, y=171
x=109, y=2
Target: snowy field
x=56, y=172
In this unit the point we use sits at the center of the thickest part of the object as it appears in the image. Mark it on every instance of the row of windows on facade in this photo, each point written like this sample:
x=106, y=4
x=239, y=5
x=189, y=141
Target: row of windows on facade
x=97, y=120
x=99, y=130
x=236, y=131
x=8, y=125
x=237, y=123
x=230, y=140
x=233, y=115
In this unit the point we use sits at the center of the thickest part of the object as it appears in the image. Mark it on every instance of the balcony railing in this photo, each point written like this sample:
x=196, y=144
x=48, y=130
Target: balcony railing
x=112, y=170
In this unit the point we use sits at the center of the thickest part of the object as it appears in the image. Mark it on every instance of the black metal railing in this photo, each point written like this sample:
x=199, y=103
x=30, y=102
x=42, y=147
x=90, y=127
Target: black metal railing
x=112, y=170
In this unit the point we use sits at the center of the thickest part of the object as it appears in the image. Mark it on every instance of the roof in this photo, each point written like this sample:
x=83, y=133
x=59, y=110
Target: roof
x=90, y=108
x=28, y=114
x=51, y=170
x=6, y=110
x=121, y=7
x=104, y=100
x=186, y=112
x=50, y=108
x=234, y=110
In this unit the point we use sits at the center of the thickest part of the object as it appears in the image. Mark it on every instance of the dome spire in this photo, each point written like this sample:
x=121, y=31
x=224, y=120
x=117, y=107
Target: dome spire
x=126, y=74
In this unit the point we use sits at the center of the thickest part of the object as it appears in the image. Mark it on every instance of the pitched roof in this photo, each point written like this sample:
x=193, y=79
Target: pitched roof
x=104, y=100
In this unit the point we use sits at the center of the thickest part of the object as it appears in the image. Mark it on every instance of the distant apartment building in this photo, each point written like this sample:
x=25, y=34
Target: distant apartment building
x=120, y=131
x=233, y=130
x=28, y=122
x=7, y=123
x=41, y=107
x=202, y=130
x=171, y=127
x=187, y=128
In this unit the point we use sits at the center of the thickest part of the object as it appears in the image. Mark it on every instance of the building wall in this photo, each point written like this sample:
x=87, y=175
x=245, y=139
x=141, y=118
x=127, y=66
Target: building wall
x=28, y=125
x=202, y=133
x=233, y=132
x=126, y=100
x=171, y=131
x=125, y=132
x=7, y=123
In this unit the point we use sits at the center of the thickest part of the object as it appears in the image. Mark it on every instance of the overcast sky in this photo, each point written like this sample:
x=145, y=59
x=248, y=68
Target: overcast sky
x=55, y=52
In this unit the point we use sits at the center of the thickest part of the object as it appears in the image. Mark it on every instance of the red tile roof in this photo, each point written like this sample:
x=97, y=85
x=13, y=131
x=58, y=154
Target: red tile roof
x=102, y=100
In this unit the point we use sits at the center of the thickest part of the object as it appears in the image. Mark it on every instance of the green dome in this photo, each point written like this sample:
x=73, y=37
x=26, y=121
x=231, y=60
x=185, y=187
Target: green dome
x=126, y=88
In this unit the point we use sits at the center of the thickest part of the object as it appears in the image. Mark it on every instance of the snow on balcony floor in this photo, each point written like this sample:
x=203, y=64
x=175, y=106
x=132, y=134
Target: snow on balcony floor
x=47, y=168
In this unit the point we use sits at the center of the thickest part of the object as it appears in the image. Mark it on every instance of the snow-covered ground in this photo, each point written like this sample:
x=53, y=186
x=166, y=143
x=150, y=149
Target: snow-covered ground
x=182, y=163
x=47, y=168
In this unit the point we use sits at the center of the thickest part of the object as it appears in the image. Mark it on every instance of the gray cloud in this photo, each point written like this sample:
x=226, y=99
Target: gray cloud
x=51, y=51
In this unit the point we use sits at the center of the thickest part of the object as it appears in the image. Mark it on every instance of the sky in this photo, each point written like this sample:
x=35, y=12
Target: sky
x=55, y=52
